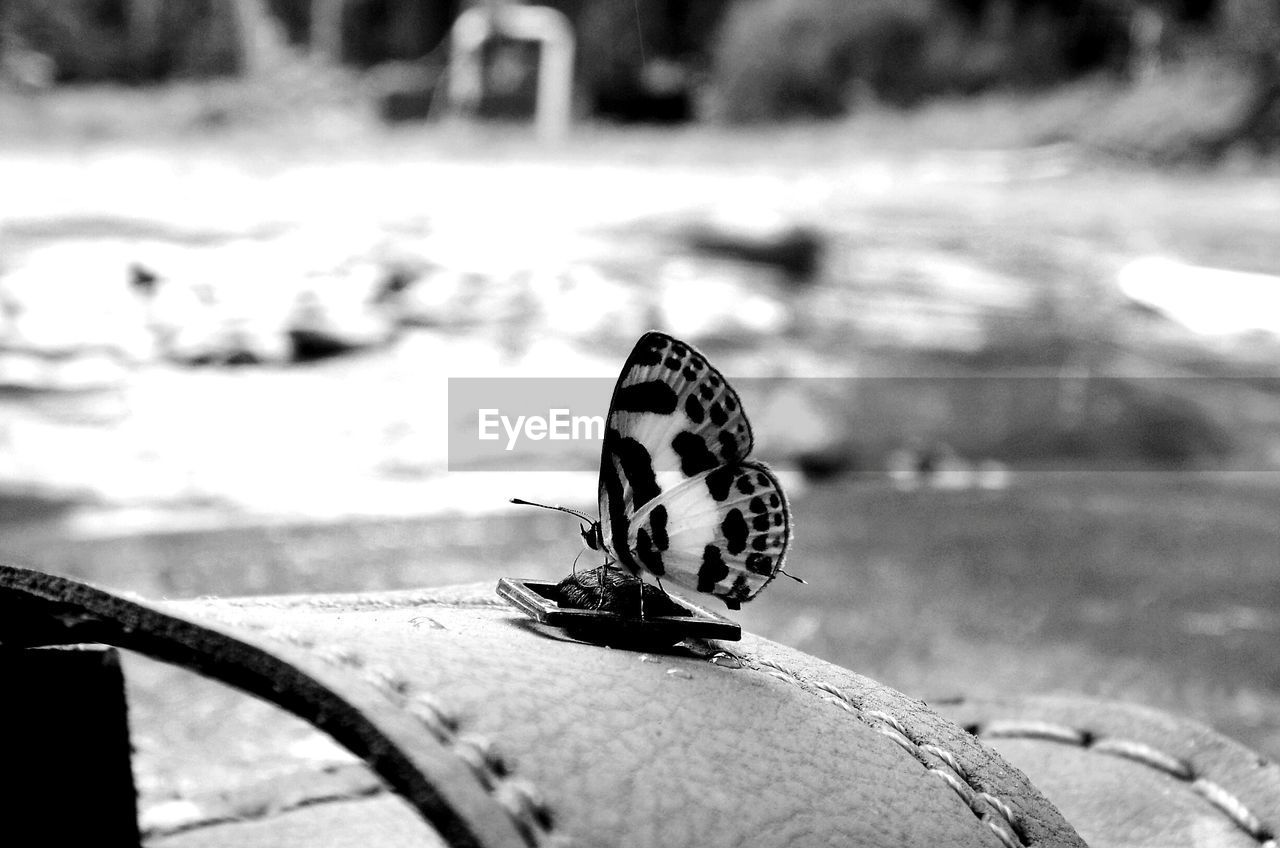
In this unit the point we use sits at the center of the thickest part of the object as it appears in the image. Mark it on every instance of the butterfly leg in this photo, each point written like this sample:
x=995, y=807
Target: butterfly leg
x=664, y=591
x=601, y=570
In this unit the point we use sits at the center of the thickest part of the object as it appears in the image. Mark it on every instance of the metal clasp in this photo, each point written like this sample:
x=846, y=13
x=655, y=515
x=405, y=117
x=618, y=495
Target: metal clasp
x=540, y=601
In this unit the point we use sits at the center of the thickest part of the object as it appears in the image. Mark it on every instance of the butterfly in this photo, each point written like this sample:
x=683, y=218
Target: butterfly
x=679, y=499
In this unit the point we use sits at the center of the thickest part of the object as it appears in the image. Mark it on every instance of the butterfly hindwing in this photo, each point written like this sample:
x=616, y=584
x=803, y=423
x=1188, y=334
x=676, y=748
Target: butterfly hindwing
x=722, y=532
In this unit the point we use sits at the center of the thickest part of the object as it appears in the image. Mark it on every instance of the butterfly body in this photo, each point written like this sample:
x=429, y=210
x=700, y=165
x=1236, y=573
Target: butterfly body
x=678, y=496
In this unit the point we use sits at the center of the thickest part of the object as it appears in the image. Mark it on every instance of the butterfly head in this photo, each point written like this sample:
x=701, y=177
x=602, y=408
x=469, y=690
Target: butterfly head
x=591, y=535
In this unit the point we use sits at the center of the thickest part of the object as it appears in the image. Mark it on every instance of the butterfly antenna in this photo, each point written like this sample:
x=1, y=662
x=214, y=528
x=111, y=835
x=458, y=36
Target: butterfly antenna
x=799, y=580
x=581, y=515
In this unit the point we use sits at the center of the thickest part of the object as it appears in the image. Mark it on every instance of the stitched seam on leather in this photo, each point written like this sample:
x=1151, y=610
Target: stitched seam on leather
x=1177, y=768
x=196, y=821
x=521, y=801
x=351, y=604
x=998, y=816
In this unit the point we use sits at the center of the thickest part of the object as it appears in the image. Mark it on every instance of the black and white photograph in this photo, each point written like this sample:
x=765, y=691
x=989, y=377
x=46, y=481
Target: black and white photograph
x=637, y=423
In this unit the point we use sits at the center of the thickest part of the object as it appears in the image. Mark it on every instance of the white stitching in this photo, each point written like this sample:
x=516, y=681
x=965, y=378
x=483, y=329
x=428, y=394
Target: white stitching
x=347, y=603
x=530, y=815
x=1139, y=752
x=1036, y=730
x=528, y=812
x=1231, y=805
x=195, y=817
x=996, y=814
x=1145, y=754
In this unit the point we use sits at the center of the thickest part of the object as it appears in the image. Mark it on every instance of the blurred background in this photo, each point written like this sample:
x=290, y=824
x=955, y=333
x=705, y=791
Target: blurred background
x=1005, y=274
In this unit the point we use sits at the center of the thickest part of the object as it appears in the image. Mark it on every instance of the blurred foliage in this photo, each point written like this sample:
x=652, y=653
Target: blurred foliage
x=644, y=58
x=812, y=58
x=1194, y=110
x=111, y=40
x=1163, y=79
x=1249, y=31
x=1249, y=27
x=817, y=58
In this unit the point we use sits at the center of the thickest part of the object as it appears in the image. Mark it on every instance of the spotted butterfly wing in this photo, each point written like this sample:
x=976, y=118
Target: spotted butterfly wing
x=678, y=496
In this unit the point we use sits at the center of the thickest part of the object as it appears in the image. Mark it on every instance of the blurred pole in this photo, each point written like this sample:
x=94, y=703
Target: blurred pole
x=546, y=26
x=326, y=30
x=555, y=70
x=261, y=41
x=466, y=73
x=1146, y=34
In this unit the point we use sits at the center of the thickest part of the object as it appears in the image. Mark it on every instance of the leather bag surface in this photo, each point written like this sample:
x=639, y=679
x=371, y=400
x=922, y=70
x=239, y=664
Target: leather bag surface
x=482, y=728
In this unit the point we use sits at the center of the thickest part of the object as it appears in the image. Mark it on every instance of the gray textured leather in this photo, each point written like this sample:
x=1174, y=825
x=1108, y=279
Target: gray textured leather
x=500, y=733
x=376, y=822
x=1132, y=777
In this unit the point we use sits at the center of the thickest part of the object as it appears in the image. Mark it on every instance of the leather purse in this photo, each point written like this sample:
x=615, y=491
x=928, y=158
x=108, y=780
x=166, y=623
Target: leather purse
x=476, y=726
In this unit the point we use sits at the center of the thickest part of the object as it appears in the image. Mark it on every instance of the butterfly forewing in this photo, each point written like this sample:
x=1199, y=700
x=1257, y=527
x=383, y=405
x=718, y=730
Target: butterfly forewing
x=672, y=416
x=674, y=481
x=670, y=399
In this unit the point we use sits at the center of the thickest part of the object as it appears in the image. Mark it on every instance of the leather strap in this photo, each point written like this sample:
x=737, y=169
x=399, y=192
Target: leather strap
x=501, y=733
x=1130, y=775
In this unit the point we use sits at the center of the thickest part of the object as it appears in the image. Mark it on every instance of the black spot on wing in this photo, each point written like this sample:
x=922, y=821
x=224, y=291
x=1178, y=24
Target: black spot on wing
x=740, y=592
x=650, y=557
x=658, y=524
x=717, y=414
x=612, y=500
x=760, y=564
x=648, y=351
x=694, y=410
x=706, y=391
x=744, y=485
x=718, y=482
x=760, y=542
x=625, y=463
x=649, y=396
x=757, y=504
x=760, y=522
x=689, y=374
x=734, y=528
x=728, y=446
x=637, y=467
x=695, y=458
x=713, y=569
x=673, y=363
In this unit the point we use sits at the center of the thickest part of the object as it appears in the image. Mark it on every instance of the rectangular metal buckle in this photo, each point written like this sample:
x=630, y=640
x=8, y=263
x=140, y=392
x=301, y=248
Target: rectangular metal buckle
x=534, y=598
